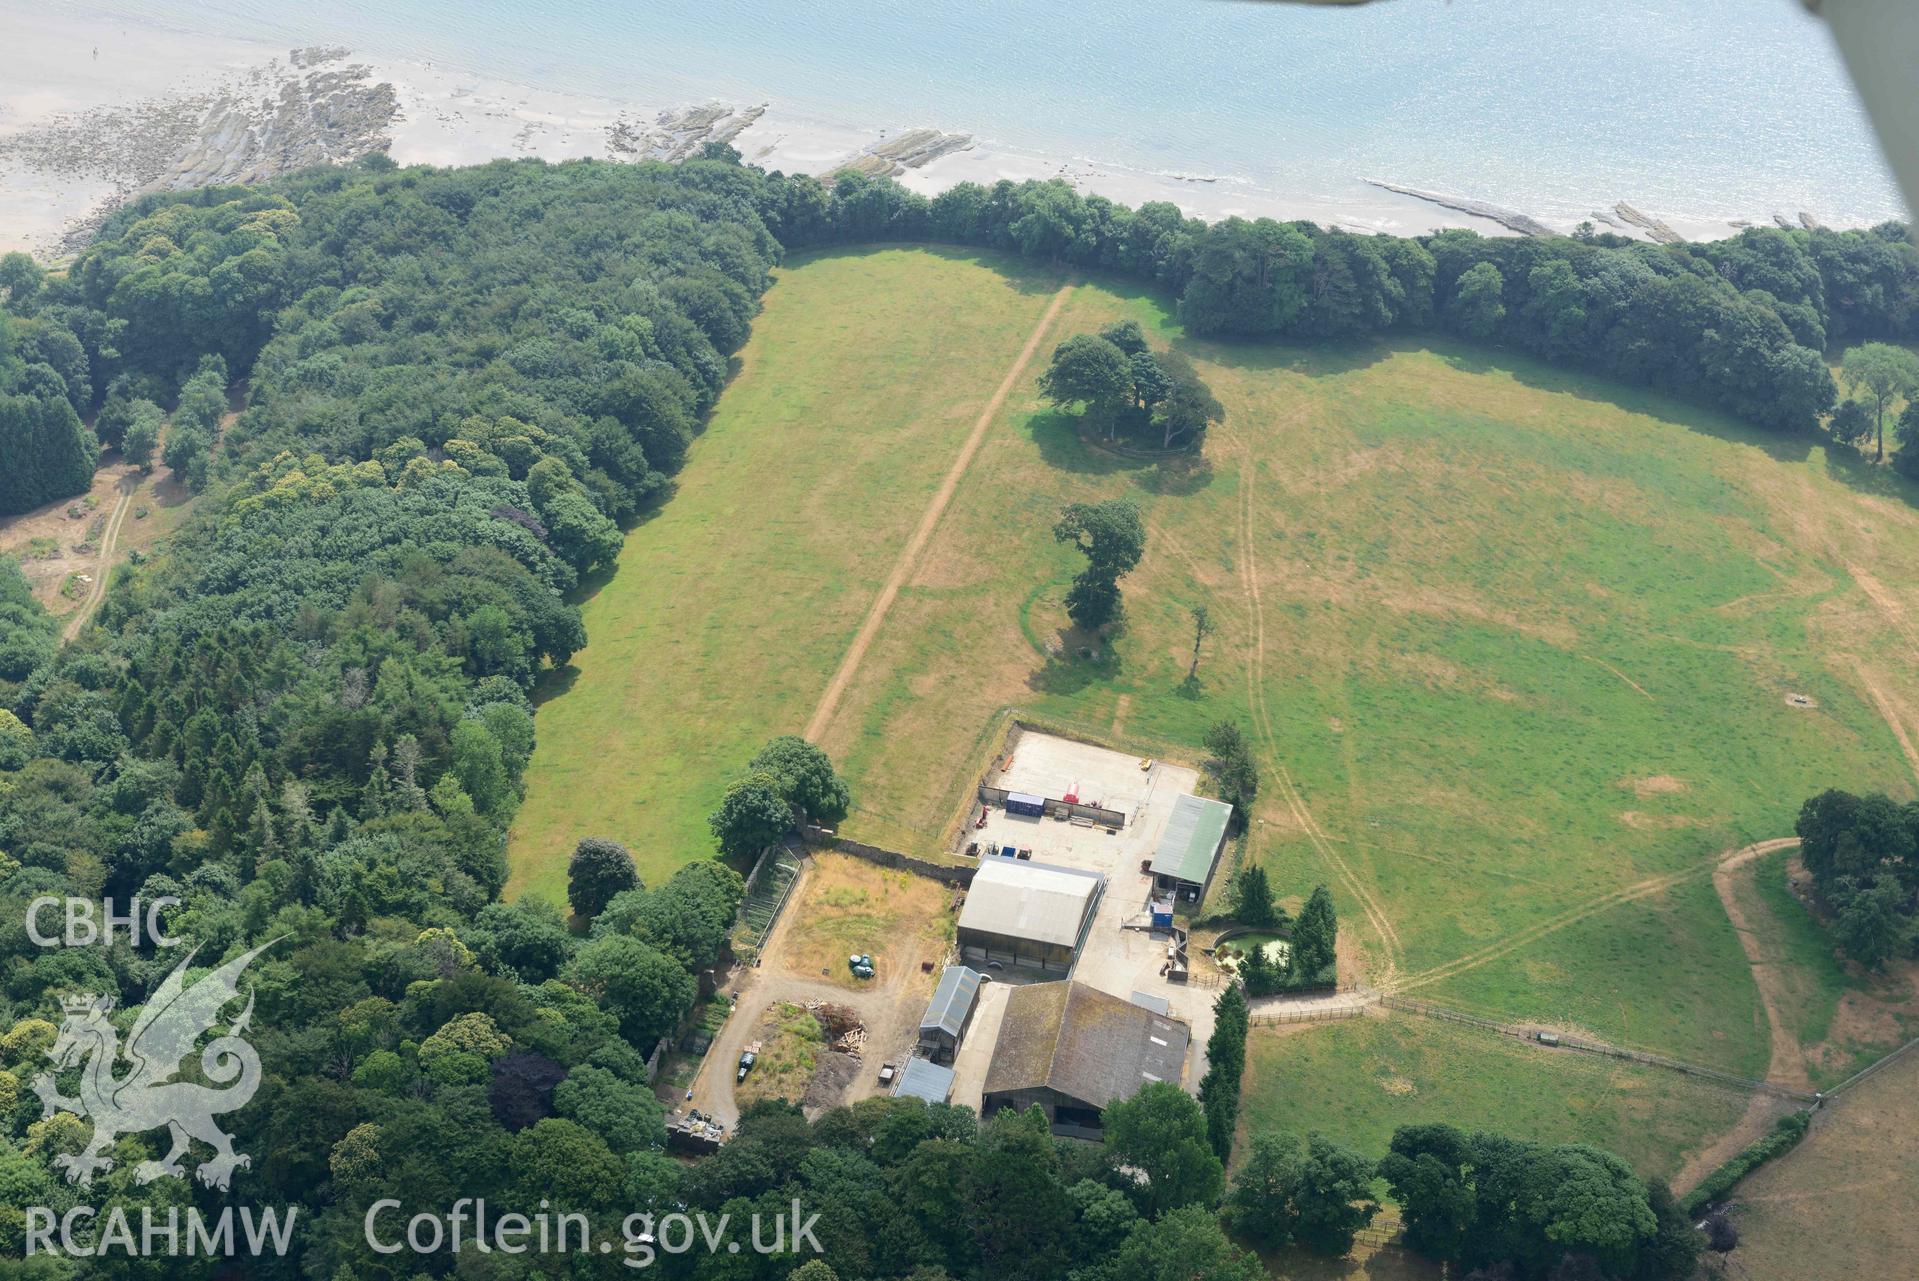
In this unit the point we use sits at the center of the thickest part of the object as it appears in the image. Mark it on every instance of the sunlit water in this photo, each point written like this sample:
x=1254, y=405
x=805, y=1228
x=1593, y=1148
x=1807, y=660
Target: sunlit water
x=1703, y=109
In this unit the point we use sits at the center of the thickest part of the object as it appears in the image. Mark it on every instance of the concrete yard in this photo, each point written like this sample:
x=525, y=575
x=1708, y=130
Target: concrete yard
x=1116, y=960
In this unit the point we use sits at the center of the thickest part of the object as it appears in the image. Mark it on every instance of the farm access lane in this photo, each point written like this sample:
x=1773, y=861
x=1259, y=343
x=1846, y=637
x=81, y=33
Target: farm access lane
x=889, y=1007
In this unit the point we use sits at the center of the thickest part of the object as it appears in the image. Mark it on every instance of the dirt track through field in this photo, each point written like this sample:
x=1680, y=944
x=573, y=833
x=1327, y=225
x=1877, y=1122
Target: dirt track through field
x=108, y=537
x=1889, y=715
x=1787, y=1064
x=1572, y=916
x=929, y=520
x=1262, y=716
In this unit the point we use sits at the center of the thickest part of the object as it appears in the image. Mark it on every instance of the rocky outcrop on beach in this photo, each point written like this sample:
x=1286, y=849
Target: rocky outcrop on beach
x=1524, y=224
x=313, y=108
x=893, y=156
x=676, y=135
x=1655, y=229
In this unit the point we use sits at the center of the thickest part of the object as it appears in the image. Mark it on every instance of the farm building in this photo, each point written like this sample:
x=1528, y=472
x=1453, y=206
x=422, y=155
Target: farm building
x=947, y=1014
x=1072, y=1049
x=1188, y=850
x=1028, y=915
x=922, y=1079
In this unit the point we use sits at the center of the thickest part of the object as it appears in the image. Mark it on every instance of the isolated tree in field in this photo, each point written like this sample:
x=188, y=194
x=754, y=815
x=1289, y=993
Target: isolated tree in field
x=1882, y=373
x=1477, y=305
x=1235, y=774
x=752, y=815
x=1315, y=935
x=1112, y=537
x=598, y=870
x=1203, y=627
x=806, y=778
x=1087, y=369
x=1252, y=897
x=1162, y=1132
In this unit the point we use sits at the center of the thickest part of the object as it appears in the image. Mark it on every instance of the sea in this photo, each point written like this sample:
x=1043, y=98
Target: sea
x=1699, y=109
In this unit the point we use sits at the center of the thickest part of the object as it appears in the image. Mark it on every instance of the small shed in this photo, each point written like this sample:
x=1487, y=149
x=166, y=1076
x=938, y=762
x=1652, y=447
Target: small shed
x=948, y=1013
x=924, y=1079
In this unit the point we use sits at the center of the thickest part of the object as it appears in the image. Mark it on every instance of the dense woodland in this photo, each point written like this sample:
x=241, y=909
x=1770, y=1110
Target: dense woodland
x=308, y=717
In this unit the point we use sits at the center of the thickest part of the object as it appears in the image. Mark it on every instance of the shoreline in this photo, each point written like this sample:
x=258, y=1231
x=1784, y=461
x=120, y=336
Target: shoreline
x=93, y=113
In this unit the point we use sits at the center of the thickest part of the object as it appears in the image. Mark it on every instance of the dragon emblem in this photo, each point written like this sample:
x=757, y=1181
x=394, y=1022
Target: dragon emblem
x=147, y=1097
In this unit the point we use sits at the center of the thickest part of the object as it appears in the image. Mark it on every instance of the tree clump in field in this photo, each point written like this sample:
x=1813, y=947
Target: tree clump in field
x=787, y=783
x=805, y=778
x=1863, y=855
x=1129, y=390
x=1477, y=1200
x=1112, y=537
x=598, y=870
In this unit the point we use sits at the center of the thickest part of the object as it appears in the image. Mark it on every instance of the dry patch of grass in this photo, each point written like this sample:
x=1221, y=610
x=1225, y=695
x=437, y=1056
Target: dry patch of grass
x=1839, y=1206
x=848, y=906
x=791, y=1042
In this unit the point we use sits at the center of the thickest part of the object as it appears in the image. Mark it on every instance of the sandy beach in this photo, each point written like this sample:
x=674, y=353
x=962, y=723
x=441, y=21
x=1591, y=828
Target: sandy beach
x=94, y=112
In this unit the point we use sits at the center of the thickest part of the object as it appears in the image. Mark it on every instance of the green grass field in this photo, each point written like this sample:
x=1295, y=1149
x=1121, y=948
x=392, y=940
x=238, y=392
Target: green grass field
x=1515, y=644
x=731, y=606
x=1355, y=1081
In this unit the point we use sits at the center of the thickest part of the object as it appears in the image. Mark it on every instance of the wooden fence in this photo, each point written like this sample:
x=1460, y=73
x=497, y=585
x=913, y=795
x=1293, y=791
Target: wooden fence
x=1322, y=1014
x=1562, y=1041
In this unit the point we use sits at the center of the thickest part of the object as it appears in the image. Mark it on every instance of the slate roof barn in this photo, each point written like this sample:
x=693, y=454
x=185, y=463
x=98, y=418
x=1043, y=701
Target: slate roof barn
x=1073, y=1049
